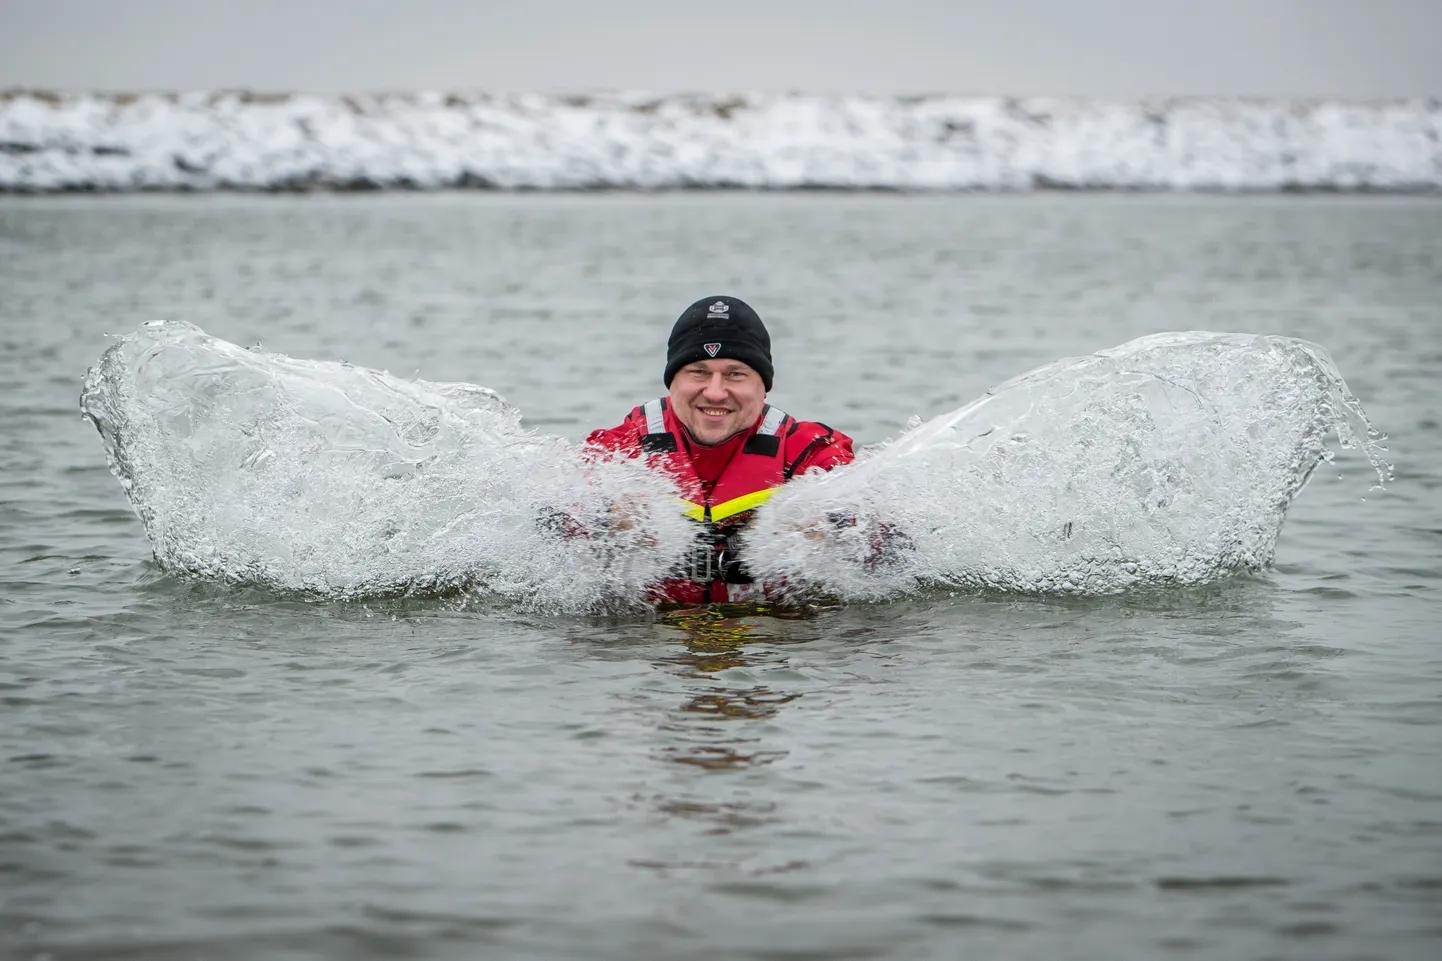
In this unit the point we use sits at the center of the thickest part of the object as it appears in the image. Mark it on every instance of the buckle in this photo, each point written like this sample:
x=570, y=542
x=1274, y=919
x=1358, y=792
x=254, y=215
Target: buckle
x=708, y=558
x=706, y=562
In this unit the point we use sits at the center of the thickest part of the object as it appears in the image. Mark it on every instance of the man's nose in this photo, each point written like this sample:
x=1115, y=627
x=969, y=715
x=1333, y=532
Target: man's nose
x=716, y=386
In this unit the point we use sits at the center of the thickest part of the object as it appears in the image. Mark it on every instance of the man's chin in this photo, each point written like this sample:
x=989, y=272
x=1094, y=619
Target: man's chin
x=714, y=436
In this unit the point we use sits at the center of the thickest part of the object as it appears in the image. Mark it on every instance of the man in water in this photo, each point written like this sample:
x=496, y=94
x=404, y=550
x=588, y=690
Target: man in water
x=726, y=447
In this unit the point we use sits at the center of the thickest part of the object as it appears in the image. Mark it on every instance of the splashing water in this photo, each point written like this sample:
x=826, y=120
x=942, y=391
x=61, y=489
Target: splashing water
x=252, y=467
x=1171, y=459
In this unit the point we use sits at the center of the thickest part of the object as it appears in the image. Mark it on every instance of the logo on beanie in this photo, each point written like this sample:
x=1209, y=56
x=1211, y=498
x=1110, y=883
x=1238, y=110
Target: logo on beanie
x=718, y=309
x=712, y=349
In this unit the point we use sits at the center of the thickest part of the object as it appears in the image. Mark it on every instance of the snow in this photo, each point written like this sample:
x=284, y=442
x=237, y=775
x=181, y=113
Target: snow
x=245, y=141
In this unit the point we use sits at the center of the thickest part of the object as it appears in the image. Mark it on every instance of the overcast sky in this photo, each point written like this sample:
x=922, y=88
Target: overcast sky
x=1110, y=48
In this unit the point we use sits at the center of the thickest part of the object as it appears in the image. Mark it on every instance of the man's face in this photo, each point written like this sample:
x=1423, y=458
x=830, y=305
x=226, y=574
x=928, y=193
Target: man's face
x=717, y=399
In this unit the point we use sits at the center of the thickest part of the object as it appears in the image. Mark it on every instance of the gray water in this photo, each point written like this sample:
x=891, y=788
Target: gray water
x=1250, y=769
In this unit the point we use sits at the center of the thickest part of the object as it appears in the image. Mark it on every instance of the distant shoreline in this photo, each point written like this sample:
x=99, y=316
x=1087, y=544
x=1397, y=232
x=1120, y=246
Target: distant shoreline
x=400, y=190
x=54, y=142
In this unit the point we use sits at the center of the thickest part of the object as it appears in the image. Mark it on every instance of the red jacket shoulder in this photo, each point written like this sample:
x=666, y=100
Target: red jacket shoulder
x=818, y=447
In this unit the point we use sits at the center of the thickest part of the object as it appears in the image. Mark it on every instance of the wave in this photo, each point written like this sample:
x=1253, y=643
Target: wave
x=1169, y=460
x=243, y=141
x=249, y=467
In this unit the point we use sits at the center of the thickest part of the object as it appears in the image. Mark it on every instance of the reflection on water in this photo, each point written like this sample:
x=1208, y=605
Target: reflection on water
x=716, y=731
x=715, y=640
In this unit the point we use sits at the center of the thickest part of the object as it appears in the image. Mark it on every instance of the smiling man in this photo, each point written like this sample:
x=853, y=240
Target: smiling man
x=727, y=448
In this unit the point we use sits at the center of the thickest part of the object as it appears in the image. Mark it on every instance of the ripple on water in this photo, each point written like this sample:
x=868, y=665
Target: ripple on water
x=587, y=838
x=1219, y=883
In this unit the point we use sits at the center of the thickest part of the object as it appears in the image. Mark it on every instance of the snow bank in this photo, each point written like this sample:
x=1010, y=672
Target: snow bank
x=246, y=141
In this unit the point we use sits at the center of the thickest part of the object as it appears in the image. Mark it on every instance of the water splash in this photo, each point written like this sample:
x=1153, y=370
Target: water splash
x=1168, y=460
x=251, y=467
x=1171, y=459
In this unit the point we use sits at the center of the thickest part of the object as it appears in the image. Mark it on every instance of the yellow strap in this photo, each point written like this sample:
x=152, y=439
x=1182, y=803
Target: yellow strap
x=719, y=512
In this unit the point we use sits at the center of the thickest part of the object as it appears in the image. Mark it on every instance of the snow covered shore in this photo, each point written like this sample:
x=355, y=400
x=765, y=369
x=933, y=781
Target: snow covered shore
x=243, y=141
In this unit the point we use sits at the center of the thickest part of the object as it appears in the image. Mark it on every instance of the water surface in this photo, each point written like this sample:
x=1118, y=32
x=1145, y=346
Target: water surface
x=1247, y=769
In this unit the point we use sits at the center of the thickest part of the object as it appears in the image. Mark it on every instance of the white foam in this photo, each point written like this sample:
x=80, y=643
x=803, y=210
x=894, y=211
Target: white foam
x=228, y=140
x=1169, y=460
x=251, y=467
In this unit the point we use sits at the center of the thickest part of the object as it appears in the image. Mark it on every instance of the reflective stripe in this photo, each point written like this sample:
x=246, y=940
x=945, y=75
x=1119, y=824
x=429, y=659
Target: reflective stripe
x=719, y=512
x=772, y=423
x=737, y=505
x=655, y=422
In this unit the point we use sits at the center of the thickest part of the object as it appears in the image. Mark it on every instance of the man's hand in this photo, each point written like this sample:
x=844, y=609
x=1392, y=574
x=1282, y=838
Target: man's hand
x=624, y=514
x=829, y=523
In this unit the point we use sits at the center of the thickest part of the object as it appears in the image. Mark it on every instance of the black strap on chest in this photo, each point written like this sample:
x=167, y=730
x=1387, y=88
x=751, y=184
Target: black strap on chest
x=767, y=445
x=656, y=439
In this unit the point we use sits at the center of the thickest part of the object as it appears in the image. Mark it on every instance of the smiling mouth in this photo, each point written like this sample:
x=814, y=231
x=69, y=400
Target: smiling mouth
x=714, y=411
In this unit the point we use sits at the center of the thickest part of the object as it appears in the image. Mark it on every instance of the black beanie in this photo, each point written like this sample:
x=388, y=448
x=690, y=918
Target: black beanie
x=719, y=327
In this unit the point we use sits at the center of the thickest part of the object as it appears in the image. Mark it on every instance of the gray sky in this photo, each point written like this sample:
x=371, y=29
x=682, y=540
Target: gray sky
x=1110, y=48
